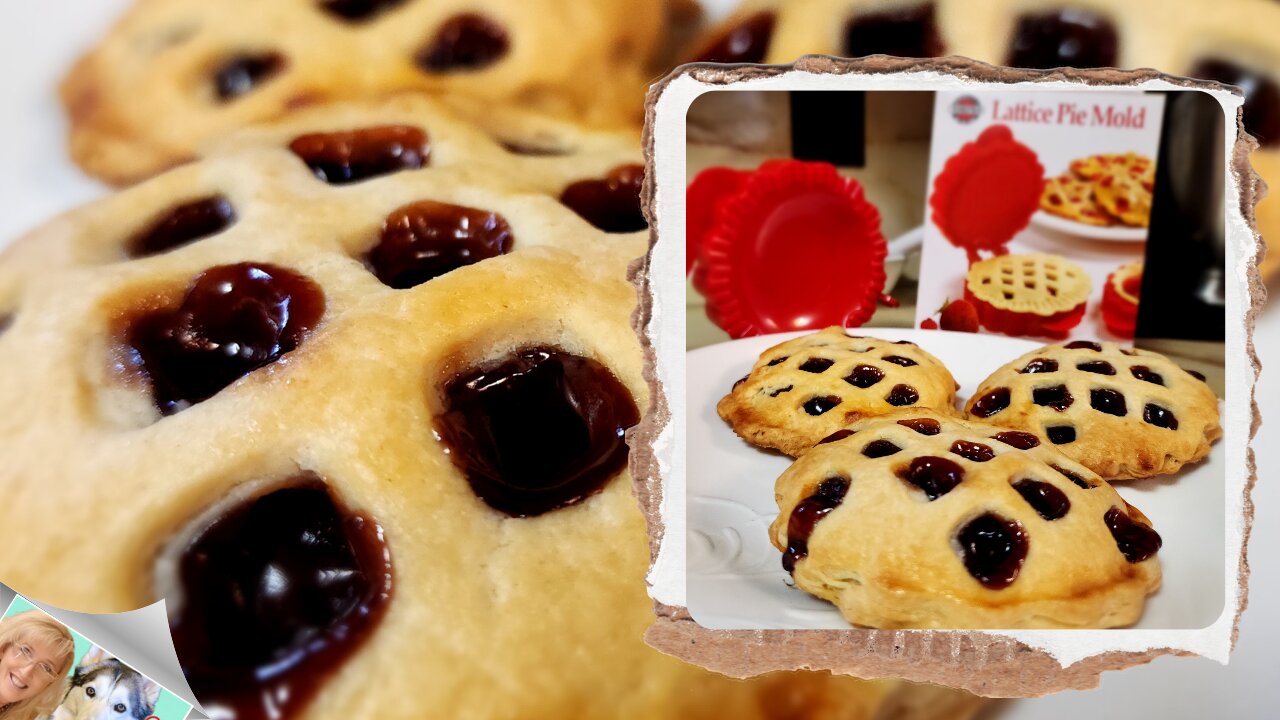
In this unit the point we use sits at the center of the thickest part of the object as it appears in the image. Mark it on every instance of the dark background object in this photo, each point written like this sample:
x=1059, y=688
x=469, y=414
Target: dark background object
x=1182, y=283
x=829, y=126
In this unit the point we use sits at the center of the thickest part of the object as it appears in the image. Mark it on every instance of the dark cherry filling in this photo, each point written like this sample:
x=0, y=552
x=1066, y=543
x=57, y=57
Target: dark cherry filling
x=777, y=361
x=241, y=74
x=899, y=360
x=1015, y=438
x=993, y=549
x=339, y=158
x=1040, y=365
x=746, y=42
x=1097, y=367
x=427, y=239
x=805, y=516
x=906, y=32
x=924, y=426
x=465, y=42
x=1079, y=481
x=1083, y=345
x=976, y=452
x=835, y=436
x=537, y=430
x=819, y=405
x=934, y=475
x=612, y=204
x=359, y=10
x=277, y=594
x=233, y=320
x=902, y=395
x=816, y=365
x=1160, y=417
x=1136, y=541
x=991, y=403
x=1056, y=397
x=1047, y=500
x=740, y=381
x=1196, y=374
x=1061, y=435
x=781, y=390
x=1068, y=37
x=864, y=376
x=1261, y=95
x=5, y=322
x=183, y=224
x=880, y=448
x=1142, y=372
x=1108, y=401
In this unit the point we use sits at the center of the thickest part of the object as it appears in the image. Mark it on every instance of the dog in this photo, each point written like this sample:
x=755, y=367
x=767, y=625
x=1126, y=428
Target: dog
x=103, y=688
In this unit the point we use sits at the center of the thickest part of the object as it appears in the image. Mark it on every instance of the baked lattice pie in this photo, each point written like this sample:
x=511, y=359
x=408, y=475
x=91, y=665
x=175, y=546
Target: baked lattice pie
x=1072, y=198
x=354, y=433
x=174, y=73
x=1121, y=412
x=1033, y=294
x=921, y=520
x=802, y=390
x=1231, y=44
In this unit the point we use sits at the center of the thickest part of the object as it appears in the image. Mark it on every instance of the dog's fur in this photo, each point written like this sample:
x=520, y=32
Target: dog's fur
x=103, y=688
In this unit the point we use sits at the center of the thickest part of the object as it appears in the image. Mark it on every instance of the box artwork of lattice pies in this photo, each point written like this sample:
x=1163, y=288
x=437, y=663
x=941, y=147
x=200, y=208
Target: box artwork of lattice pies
x=802, y=390
x=1036, y=294
x=1123, y=413
x=922, y=520
x=1105, y=190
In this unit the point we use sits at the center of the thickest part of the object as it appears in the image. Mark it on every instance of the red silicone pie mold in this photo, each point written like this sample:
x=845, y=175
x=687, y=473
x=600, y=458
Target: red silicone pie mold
x=987, y=192
x=702, y=198
x=1120, y=313
x=797, y=247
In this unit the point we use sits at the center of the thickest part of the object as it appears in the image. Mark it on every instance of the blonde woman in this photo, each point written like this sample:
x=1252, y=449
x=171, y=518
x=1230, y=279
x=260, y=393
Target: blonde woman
x=35, y=653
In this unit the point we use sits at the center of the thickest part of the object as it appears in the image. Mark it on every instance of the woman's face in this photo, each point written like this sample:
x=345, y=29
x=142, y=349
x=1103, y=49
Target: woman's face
x=26, y=668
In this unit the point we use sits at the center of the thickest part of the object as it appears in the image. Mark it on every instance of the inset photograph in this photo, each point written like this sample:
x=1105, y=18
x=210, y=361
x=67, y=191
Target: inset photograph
x=51, y=672
x=955, y=360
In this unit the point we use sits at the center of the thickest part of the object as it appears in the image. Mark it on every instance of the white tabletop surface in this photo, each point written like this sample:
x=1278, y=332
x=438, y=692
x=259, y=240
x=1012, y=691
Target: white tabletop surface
x=39, y=40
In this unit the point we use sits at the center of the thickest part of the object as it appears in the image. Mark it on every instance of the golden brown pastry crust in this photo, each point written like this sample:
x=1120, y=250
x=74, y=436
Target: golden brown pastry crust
x=144, y=100
x=1115, y=447
x=768, y=408
x=888, y=557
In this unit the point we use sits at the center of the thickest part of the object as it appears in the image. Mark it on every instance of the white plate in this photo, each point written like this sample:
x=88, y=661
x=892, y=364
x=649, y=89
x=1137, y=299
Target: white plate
x=1115, y=233
x=735, y=578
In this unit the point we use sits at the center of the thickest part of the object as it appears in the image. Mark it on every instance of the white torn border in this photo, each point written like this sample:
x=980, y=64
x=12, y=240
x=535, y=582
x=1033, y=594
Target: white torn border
x=666, y=331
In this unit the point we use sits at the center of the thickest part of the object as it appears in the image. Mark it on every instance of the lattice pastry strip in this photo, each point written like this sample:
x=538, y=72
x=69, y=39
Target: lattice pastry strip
x=917, y=519
x=1124, y=413
x=804, y=389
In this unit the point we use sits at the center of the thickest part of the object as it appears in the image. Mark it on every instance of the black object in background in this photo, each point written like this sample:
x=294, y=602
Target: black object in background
x=1183, y=278
x=829, y=126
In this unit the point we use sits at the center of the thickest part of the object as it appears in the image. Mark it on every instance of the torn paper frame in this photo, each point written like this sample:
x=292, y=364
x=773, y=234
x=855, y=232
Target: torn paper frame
x=994, y=663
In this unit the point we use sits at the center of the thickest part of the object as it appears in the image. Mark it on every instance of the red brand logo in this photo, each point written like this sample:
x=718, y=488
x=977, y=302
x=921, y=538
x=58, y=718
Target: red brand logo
x=966, y=109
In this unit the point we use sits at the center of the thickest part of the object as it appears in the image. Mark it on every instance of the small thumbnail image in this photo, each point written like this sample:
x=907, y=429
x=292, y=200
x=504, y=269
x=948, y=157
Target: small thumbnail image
x=50, y=672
